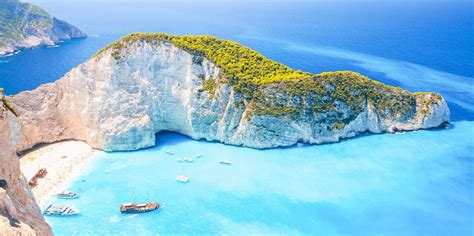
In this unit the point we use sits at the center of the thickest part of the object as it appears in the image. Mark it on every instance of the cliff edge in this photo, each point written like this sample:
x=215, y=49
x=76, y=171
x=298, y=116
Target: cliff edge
x=19, y=214
x=213, y=89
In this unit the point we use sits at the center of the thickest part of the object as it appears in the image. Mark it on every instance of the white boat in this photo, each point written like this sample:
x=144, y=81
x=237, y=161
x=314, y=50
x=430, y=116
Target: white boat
x=182, y=179
x=67, y=195
x=169, y=152
x=188, y=159
x=225, y=162
x=58, y=210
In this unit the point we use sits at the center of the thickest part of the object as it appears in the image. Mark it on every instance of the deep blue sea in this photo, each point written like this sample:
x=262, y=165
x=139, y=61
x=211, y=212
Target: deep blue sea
x=404, y=184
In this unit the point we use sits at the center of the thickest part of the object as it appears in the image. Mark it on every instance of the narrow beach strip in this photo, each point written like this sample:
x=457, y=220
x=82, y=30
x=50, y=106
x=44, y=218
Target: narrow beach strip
x=63, y=161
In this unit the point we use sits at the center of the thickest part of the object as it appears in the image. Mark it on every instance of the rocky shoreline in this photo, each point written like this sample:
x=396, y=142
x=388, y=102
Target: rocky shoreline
x=28, y=26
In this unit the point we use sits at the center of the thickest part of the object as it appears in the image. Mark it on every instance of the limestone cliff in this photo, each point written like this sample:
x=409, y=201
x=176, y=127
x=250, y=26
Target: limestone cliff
x=23, y=25
x=147, y=83
x=19, y=214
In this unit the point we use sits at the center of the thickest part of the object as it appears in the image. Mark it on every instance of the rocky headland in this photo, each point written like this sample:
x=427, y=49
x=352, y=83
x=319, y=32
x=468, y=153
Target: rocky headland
x=23, y=25
x=212, y=89
x=200, y=86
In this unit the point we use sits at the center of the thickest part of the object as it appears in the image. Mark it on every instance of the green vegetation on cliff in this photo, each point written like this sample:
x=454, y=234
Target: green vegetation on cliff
x=271, y=88
x=243, y=66
x=16, y=18
x=20, y=22
x=7, y=103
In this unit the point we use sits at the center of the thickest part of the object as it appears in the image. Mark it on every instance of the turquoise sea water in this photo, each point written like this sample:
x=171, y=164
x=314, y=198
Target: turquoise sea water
x=396, y=184
x=401, y=184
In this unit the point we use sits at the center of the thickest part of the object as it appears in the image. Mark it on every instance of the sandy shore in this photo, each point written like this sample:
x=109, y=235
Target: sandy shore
x=63, y=161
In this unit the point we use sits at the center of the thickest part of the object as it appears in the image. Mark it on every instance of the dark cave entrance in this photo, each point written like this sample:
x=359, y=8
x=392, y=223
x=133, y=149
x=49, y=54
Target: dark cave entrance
x=3, y=184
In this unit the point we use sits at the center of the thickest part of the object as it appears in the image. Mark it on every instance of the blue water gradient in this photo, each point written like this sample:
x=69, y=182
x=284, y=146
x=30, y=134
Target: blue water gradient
x=436, y=35
x=369, y=185
x=405, y=184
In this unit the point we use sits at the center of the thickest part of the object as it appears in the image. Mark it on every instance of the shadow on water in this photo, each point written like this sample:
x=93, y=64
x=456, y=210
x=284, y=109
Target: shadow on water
x=169, y=138
x=166, y=138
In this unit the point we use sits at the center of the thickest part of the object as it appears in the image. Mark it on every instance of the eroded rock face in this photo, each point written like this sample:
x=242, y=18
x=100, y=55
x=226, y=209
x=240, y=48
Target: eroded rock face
x=120, y=103
x=19, y=213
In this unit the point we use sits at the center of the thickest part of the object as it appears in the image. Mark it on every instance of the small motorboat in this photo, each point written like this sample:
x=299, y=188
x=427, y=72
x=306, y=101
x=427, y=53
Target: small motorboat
x=182, y=178
x=58, y=210
x=133, y=208
x=67, y=195
x=188, y=159
x=225, y=162
x=169, y=152
x=198, y=156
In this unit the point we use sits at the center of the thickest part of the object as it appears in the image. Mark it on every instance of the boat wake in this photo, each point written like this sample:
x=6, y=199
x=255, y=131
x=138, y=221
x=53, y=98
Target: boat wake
x=114, y=219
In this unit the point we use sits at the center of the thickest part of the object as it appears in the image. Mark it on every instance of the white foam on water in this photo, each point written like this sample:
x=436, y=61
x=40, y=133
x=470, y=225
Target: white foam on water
x=114, y=219
x=11, y=54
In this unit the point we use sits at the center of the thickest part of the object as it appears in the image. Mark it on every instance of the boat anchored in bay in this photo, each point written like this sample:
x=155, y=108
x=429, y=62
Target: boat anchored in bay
x=58, y=210
x=133, y=208
x=225, y=162
x=182, y=178
x=67, y=195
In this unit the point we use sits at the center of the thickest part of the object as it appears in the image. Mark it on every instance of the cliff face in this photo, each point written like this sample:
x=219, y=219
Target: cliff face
x=24, y=25
x=119, y=100
x=19, y=214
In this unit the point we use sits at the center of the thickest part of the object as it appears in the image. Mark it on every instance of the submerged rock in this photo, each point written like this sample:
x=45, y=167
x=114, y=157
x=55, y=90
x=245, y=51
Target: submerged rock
x=212, y=89
x=24, y=25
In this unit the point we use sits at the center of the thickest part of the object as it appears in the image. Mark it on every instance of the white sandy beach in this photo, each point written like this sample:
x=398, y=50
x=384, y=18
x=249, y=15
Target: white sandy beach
x=63, y=161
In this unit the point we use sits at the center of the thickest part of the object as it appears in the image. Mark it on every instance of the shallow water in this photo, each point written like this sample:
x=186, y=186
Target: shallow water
x=403, y=184
x=373, y=184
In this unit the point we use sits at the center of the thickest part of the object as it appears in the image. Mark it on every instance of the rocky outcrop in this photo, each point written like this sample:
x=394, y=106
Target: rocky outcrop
x=120, y=102
x=23, y=25
x=19, y=214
